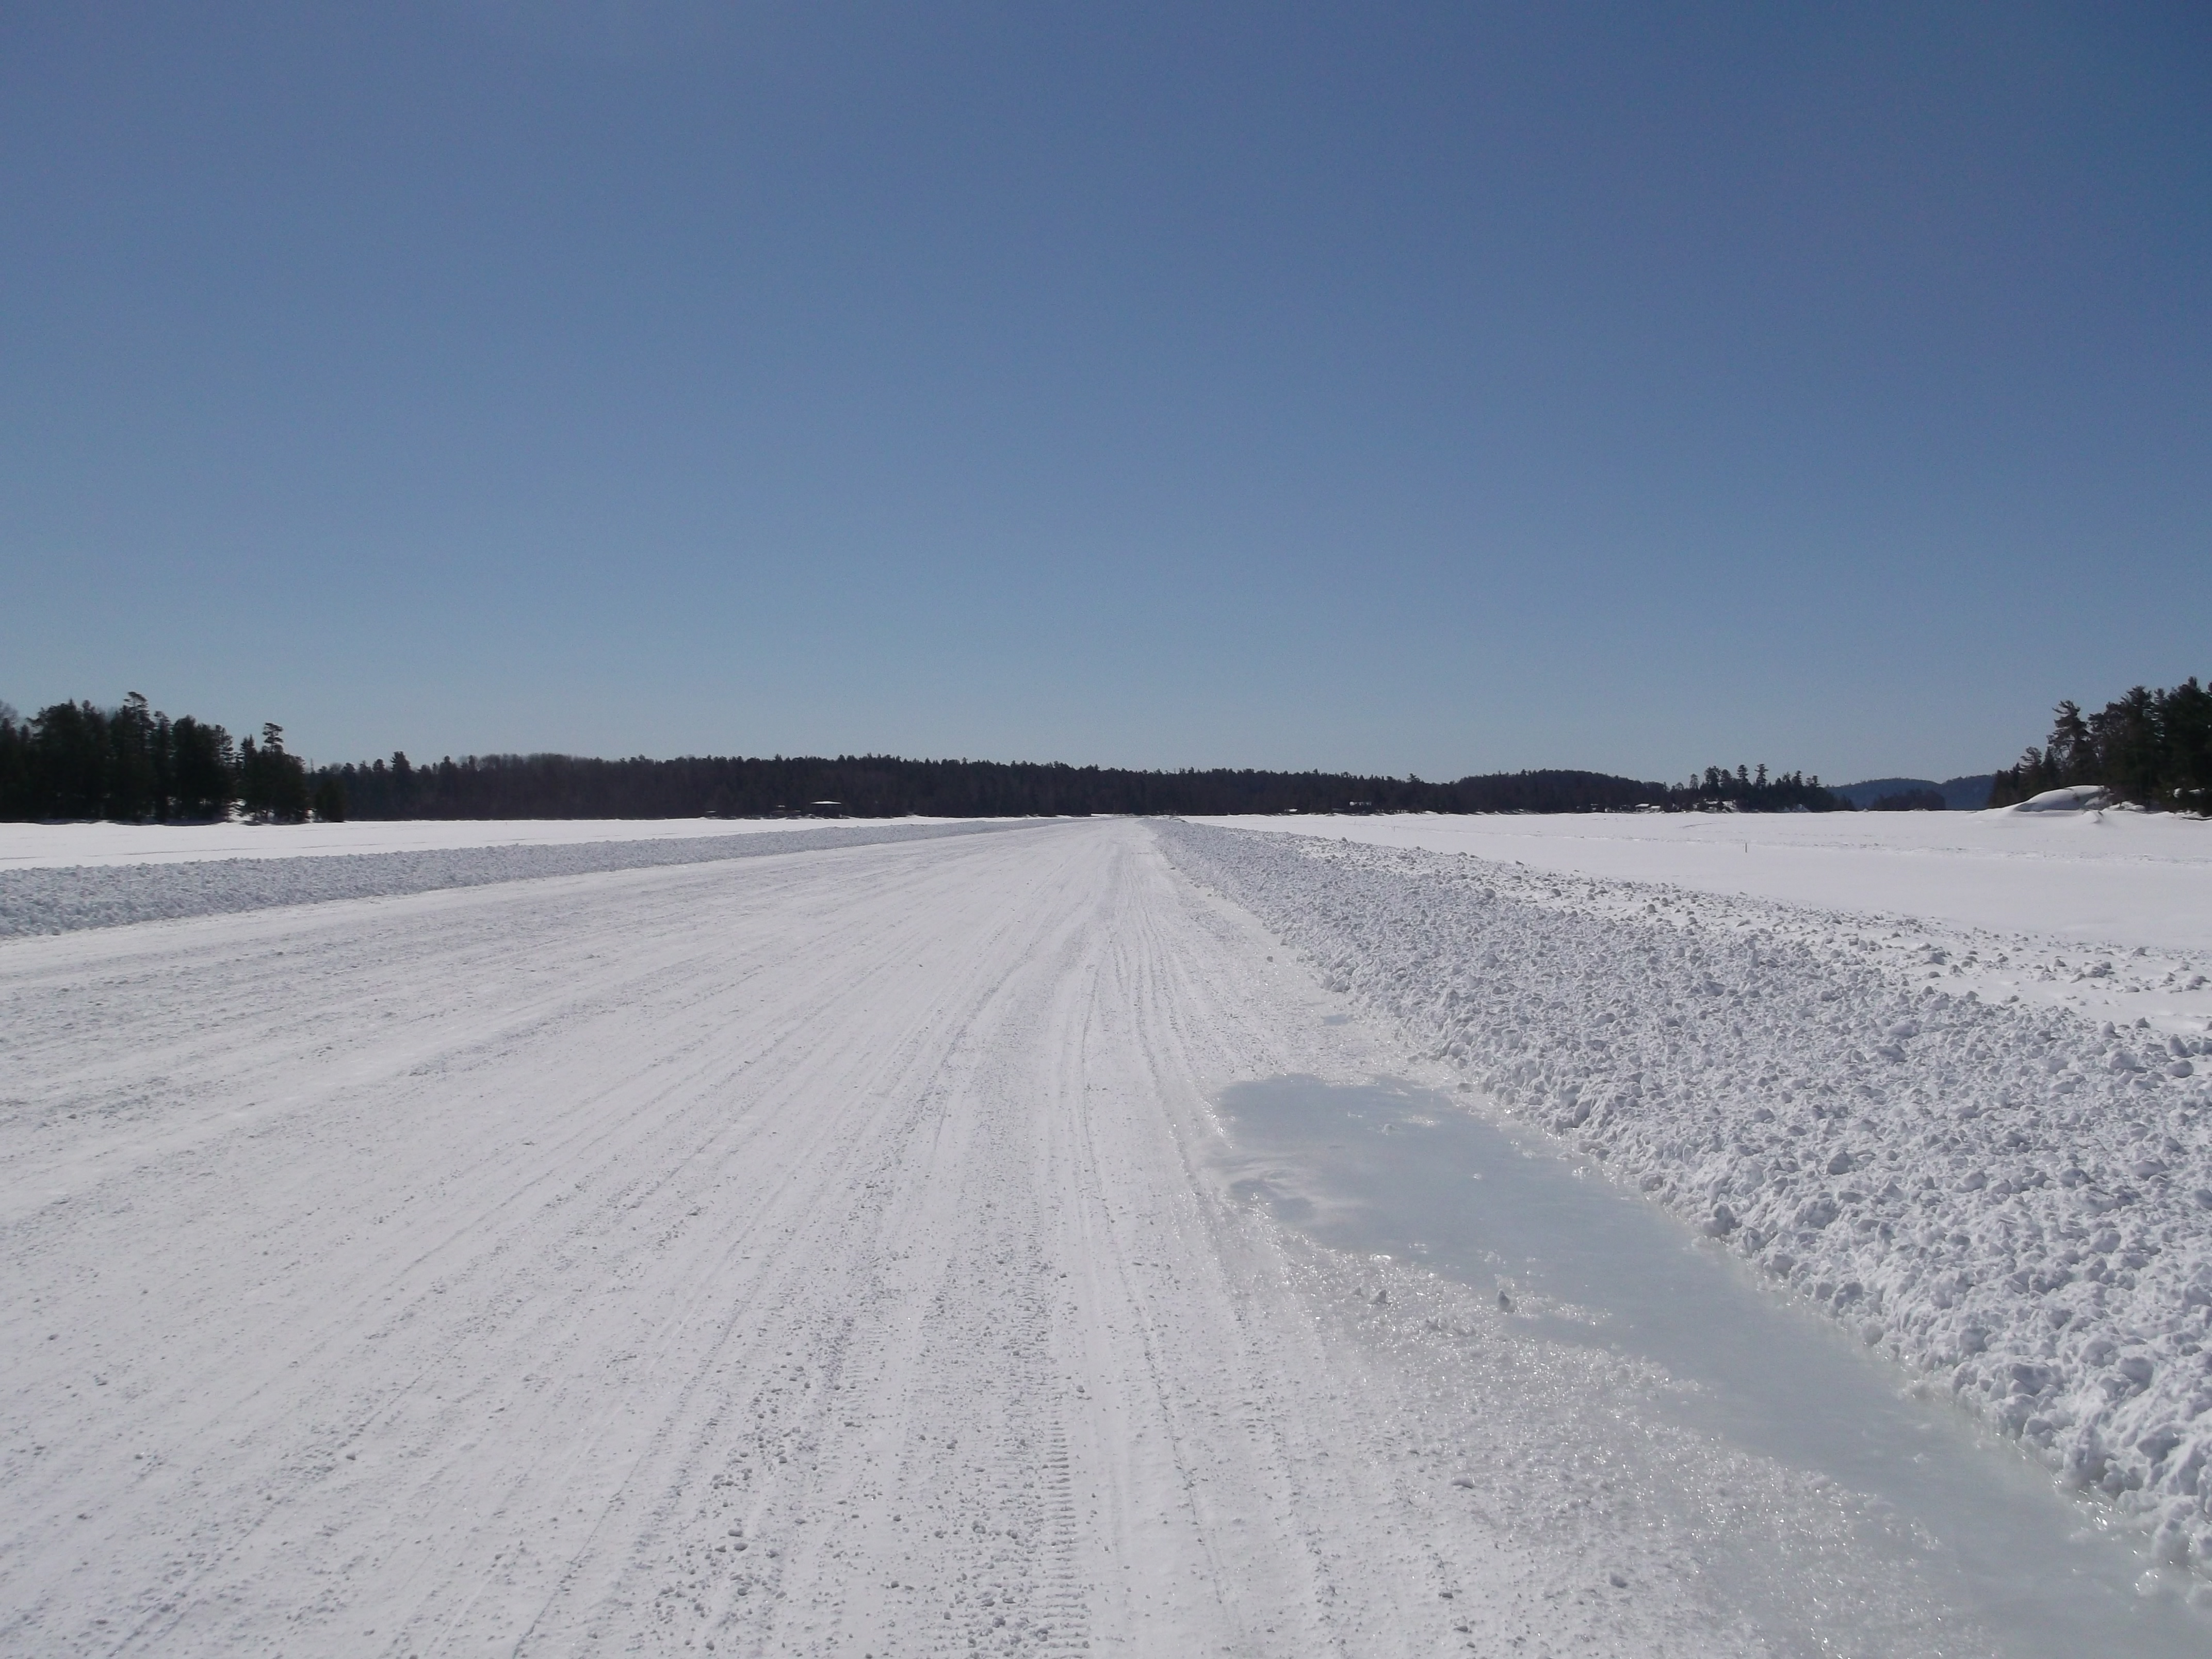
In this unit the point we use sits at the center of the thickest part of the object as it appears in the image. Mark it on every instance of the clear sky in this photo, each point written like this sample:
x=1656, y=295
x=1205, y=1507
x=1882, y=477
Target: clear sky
x=1394, y=387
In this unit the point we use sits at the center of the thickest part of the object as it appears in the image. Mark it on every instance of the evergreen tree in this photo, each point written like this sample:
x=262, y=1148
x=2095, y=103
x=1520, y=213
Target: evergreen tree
x=272, y=785
x=2071, y=753
x=2185, y=739
x=203, y=768
x=132, y=786
x=15, y=792
x=2150, y=748
x=70, y=761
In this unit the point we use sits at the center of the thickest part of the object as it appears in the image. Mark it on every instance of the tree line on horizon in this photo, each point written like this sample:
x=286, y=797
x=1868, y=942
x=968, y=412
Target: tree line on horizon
x=134, y=764
x=2150, y=748
x=882, y=785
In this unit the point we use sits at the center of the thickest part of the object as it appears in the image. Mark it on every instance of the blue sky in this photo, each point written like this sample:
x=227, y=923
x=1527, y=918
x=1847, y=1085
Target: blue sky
x=1391, y=387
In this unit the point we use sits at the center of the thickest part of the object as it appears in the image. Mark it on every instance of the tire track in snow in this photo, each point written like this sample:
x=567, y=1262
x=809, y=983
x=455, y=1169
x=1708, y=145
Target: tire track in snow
x=785, y=1253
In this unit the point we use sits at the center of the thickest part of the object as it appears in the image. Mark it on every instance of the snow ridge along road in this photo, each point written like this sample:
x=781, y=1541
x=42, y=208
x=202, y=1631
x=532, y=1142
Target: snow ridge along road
x=803, y=1255
x=63, y=898
x=2012, y=1199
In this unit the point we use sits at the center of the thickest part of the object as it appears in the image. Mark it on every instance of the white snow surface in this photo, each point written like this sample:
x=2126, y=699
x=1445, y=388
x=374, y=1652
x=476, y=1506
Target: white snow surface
x=108, y=892
x=2117, y=879
x=55, y=846
x=830, y=1255
x=1990, y=1155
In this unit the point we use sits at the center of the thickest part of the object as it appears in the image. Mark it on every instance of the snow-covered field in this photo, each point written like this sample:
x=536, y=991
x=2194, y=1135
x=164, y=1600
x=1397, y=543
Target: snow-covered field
x=2120, y=879
x=848, y=1250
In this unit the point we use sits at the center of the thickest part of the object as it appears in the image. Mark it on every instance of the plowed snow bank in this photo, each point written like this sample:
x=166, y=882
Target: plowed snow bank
x=63, y=899
x=2014, y=1201
x=46, y=846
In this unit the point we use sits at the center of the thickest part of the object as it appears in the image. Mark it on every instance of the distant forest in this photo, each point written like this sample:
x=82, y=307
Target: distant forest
x=132, y=764
x=2153, y=748
x=873, y=785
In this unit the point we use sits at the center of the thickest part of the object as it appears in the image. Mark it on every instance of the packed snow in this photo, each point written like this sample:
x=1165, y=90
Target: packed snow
x=183, y=872
x=1987, y=1155
x=856, y=1251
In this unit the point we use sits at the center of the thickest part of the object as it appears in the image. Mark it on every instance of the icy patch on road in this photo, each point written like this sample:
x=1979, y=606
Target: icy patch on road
x=2013, y=1200
x=1944, y=1538
x=66, y=899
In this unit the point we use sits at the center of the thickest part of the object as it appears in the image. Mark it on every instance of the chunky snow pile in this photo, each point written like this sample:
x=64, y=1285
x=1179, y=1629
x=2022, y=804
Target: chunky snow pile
x=2012, y=1200
x=59, y=900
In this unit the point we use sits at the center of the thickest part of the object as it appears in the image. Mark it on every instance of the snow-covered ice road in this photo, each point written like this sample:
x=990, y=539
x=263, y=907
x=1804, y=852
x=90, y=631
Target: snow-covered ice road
x=829, y=1253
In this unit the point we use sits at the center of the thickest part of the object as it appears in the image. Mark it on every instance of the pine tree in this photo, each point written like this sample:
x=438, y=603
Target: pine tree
x=204, y=766
x=272, y=785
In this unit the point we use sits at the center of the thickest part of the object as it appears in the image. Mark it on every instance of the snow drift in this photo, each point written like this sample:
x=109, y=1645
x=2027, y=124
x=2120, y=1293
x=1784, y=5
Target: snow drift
x=2077, y=798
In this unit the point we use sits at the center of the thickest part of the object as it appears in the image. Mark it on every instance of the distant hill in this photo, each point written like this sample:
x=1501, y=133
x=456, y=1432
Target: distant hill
x=1968, y=794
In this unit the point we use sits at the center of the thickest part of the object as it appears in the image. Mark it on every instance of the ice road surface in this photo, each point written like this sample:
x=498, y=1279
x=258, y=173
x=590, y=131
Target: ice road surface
x=834, y=1252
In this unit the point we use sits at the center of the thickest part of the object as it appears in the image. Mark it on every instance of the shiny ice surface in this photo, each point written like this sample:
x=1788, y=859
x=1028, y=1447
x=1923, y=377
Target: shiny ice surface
x=1386, y=1169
